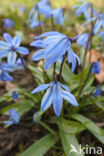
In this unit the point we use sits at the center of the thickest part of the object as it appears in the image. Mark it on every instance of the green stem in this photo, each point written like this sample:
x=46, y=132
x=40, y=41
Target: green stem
x=40, y=28
x=84, y=59
x=61, y=67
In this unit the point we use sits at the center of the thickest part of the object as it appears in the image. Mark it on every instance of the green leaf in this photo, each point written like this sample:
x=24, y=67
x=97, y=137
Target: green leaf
x=40, y=147
x=37, y=73
x=91, y=126
x=67, y=130
x=21, y=107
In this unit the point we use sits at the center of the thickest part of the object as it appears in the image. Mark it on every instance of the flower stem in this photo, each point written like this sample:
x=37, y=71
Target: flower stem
x=52, y=22
x=61, y=67
x=84, y=59
x=40, y=28
x=54, y=70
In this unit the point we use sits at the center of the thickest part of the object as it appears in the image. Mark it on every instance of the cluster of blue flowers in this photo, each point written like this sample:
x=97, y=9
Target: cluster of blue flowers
x=52, y=46
x=91, y=15
x=9, y=48
x=44, y=7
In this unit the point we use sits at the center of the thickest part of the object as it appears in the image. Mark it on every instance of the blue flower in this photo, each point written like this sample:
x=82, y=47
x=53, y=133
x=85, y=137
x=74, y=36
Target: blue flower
x=14, y=95
x=19, y=64
x=101, y=34
x=42, y=7
x=55, y=95
x=85, y=8
x=98, y=91
x=4, y=68
x=34, y=23
x=14, y=117
x=10, y=47
x=95, y=67
x=99, y=22
x=58, y=14
x=83, y=39
x=22, y=8
x=8, y=23
x=54, y=47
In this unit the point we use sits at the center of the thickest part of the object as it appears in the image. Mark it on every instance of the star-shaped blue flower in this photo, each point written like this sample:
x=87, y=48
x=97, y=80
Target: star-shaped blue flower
x=20, y=63
x=8, y=23
x=42, y=7
x=14, y=117
x=99, y=22
x=55, y=94
x=4, y=69
x=54, y=47
x=10, y=47
x=95, y=67
x=85, y=8
x=58, y=14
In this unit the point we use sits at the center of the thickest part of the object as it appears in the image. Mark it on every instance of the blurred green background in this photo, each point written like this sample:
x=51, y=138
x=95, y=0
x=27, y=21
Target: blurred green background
x=57, y=3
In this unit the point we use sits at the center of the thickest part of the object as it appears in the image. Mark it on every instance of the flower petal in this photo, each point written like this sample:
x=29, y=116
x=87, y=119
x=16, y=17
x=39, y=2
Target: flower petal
x=14, y=116
x=69, y=97
x=38, y=55
x=4, y=76
x=97, y=26
x=4, y=53
x=57, y=100
x=47, y=100
x=56, y=52
x=48, y=34
x=12, y=58
x=16, y=41
x=7, y=38
x=22, y=50
x=4, y=45
x=8, y=122
x=40, y=88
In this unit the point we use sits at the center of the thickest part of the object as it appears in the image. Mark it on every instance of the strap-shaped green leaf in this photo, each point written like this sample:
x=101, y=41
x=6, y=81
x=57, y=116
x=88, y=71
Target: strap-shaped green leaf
x=68, y=137
x=40, y=147
x=91, y=126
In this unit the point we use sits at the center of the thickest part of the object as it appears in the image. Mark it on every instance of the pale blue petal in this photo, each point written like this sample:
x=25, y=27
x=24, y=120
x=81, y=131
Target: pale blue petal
x=4, y=45
x=47, y=100
x=12, y=58
x=89, y=20
x=8, y=38
x=4, y=76
x=97, y=26
x=72, y=59
x=40, y=88
x=16, y=41
x=38, y=55
x=38, y=44
x=3, y=53
x=36, y=23
x=7, y=67
x=69, y=98
x=22, y=50
x=65, y=87
x=58, y=51
x=57, y=100
x=8, y=122
x=14, y=116
x=48, y=34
